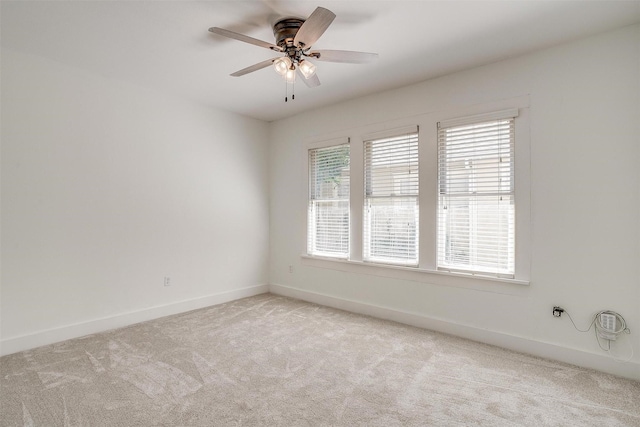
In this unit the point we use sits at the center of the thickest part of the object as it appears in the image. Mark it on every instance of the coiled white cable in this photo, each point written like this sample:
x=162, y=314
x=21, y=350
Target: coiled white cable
x=597, y=321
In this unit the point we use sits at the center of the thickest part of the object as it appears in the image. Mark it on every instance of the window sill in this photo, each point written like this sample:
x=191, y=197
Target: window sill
x=416, y=274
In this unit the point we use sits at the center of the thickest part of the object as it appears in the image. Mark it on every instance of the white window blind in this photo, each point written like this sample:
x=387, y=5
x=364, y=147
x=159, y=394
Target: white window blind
x=328, y=216
x=476, y=212
x=391, y=199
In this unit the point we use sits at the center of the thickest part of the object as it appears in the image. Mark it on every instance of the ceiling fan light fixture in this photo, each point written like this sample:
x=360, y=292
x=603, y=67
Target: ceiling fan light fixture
x=307, y=68
x=282, y=65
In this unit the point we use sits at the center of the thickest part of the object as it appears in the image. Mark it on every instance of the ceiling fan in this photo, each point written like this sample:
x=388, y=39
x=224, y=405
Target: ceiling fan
x=294, y=38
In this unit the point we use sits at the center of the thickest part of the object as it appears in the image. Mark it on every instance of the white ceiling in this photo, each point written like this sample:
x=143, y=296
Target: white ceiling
x=165, y=45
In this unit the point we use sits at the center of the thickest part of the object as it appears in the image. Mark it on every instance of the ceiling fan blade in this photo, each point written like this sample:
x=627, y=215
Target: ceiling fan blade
x=243, y=38
x=254, y=67
x=346, y=56
x=312, y=81
x=314, y=27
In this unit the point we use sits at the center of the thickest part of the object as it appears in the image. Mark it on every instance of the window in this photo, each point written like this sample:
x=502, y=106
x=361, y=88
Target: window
x=391, y=199
x=328, y=216
x=476, y=209
x=447, y=206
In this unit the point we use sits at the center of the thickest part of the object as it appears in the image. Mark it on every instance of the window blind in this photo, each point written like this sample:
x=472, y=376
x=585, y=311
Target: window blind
x=328, y=216
x=476, y=211
x=391, y=199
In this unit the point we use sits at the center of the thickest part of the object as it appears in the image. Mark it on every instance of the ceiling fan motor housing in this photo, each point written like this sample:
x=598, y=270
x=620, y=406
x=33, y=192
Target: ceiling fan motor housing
x=285, y=31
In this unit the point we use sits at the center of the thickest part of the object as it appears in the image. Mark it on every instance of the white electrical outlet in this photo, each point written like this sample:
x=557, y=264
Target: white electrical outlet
x=291, y=269
x=167, y=281
x=607, y=326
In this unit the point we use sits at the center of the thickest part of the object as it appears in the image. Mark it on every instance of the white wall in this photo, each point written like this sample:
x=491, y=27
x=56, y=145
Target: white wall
x=106, y=189
x=585, y=203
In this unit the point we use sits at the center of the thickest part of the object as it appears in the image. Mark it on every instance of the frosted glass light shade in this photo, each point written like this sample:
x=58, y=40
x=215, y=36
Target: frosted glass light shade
x=307, y=68
x=290, y=75
x=282, y=65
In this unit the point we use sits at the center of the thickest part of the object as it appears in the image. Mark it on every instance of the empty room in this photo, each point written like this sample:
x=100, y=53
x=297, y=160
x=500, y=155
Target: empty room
x=341, y=213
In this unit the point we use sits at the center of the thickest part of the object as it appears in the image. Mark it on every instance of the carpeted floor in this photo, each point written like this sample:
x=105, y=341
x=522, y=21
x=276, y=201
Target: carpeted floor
x=269, y=360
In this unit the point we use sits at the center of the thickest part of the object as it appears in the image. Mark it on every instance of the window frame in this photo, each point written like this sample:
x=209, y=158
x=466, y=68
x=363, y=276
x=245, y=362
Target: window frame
x=479, y=119
x=427, y=271
x=379, y=137
x=334, y=143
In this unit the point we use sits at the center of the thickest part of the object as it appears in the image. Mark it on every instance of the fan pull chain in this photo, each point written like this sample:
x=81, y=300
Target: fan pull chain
x=286, y=91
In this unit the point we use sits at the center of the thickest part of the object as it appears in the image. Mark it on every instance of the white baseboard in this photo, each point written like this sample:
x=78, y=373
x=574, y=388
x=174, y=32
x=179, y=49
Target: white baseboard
x=50, y=336
x=573, y=356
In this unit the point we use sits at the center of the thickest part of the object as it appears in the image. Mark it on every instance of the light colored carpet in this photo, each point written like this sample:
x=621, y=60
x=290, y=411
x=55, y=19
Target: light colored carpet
x=269, y=360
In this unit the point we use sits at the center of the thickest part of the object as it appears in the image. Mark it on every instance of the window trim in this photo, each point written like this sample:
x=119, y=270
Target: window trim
x=315, y=146
x=396, y=133
x=511, y=115
x=426, y=271
x=420, y=275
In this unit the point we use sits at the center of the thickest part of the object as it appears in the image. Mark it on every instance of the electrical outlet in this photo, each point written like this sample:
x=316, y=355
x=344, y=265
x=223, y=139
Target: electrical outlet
x=167, y=281
x=557, y=311
x=291, y=269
